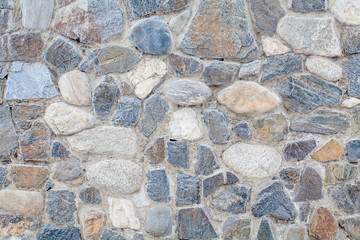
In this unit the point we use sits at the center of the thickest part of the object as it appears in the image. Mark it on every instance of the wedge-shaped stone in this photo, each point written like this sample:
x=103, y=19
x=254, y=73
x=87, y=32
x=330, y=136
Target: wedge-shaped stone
x=310, y=187
x=330, y=152
x=346, y=197
x=299, y=149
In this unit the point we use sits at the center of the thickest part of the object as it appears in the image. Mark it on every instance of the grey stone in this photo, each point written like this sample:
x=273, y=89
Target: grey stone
x=351, y=225
x=206, y=161
x=48, y=185
x=58, y=150
x=174, y=5
x=299, y=149
x=356, y=115
x=353, y=150
x=140, y=8
x=106, y=94
x=273, y=201
x=304, y=6
x=290, y=174
x=48, y=232
x=4, y=4
x=250, y=69
x=3, y=173
x=178, y=22
x=242, y=129
x=264, y=232
x=351, y=39
x=178, y=153
x=62, y=3
x=184, y=66
x=68, y=170
x=272, y=128
x=346, y=197
x=8, y=135
x=90, y=195
x=281, y=66
x=88, y=62
x=3, y=72
x=37, y=14
x=24, y=114
x=310, y=187
x=159, y=221
x=231, y=178
x=138, y=236
x=152, y=35
x=218, y=73
x=237, y=228
x=304, y=211
x=188, y=189
x=158, y=188
x=352, y=72
x=128, y=112
x=111, y=234
x=5, y=16
x=4, y=55
x=212, y=184
x=30, y=81
x=340, y=172
x=61, y=205
x=217, y=123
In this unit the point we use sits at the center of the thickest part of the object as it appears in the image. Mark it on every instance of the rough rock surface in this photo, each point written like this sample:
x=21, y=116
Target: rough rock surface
x=310, y=187
x=184, y=124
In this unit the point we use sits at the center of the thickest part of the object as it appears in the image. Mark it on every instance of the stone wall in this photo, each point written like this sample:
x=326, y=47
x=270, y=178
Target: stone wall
x=179, y=119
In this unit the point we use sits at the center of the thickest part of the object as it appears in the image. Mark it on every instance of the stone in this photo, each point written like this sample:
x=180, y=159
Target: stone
x=237, y=39
x=8, y=135
x=158, y=188
x=90, y=195
x=25, y=203
x=3, y=71
x=90, y=21
x=250, y=69
x=324, y=68
x=232, y=199
x=5, y=17
x=323, y=224
x=279, y=66
x=47, y=232
x=64, y=119
x=155, y=150
x=61, y=205
x=212, y=184
x=310, y=35
x=126, y=87
x=48, y=185
x=304, y=6
x=353, y=150
x=184, y=124
x=92, y=221
x=89, y=61
x=188, y=189
x=159, y=221
x=123, y=176
x=187, y=92
x=178, y=22
x=25, y=47
x=217, y=123
x=62, y=3
x=321, y=122
x=356, y=115
x=242, y=129
x=237, y=228
x=4, y=55
x=105, y=96
x=248, y=97
x=253, y=161
x=273, y=201
x=3, y=173
x=128, y=112
x=152, y=35
x=273, y=46
x=304, y=211
x=122, y=213
x=346, y=197
x=310, y=187
x=264, y=231
x=184, y=66
x=143, y=8
x=206, y=161
x=350, y=102
x=346, y=12
x=299, y=149
x=194, y=223
x=174, y=5
x=178, y=153
x=331, y=151
x=24, y=114
x=28, y=176
x=37, y=14
x=352, y=73
x=12, y=226
x=351, y=225
x=231, y=178
x=138, y=236
x=75, y=89
x=219, y=73
x=58, y=150
x=290, y=174
x=350, y=39
x=340, y=172
x=110, y=234
x=35, y=142
x=30, y=81
x=156, y=109
x=267, y=15
x=272, y=128
x=68, y=170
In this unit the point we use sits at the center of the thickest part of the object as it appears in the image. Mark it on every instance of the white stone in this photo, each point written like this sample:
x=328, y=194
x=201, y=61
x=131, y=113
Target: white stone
x=25, y=203
x=37, y=14
x=250, y=69
x=346, y=11
x=111, y=141
x=273, y=46
x=74, y=88
x=147, y=74
x=123, y=176
x=253, y=161
x=122, y=213
x=324, y=68
x=64, y=119
x=178, y=22
x=351, y=102
x=185, y=125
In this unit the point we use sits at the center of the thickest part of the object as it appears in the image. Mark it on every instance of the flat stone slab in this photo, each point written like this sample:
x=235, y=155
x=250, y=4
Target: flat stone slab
x=310, y=187
x=304, y=6
x=158, y=188
x=299, y=149
x=8, y=135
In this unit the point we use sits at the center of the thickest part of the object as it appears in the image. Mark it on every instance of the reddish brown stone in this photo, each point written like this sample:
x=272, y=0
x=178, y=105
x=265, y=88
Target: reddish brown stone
x=323, y=224
x=92, y=221
x=155, y=150
x=182, y=65
x=24, y=114
x=26, y=46
x=271, y=128
x=27, y=176
x=330, y=152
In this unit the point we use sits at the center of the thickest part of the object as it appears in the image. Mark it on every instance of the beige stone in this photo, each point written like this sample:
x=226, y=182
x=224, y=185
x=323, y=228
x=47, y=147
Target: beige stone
x=92, y=222
x=346, y=11
x=122, y=213
x=324, y=68
x=330, y=152
x=185, y=125
x=273, y=46
x=350, y=102
x=25, y=203
x=75, y=89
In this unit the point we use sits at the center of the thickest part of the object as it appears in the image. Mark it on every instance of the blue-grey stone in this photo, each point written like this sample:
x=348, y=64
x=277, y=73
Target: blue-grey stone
x=237, y=228
x=184, y=66
x=61, y=205
x=5, y=4
x=58, y=150
x=62, y=56
x=346, y=197
x=231, y=178
x=273, y=201
x=353, y=150
x=178, y=153
x=3, y=71
x=308, y=5
x=351, y=39
x=213, y=183
x=352, y=72
x=152, y=35
x=174, y=5
x=206, y=161
x=5, y=16
x=356, y=115
x=141, y=8
x=156, y=109
x=62, y=3
x=138, y=236
x=242, y=129
x=48, y=185
x=48, y=232
x=158, y=188
x=3, y=173
x=90, y=195
x=111, y=234
x=106, y=94
x=159, y=221
x=310, y=187
x=8, y=135
x=304, y=211
x=128, y=112
x=68, y=170
x=290, y=174
x=264, y=232
x=25, y=46
x=88, y=62
x=188, y=189
x=194, y=223
x=307, y=92
x=217, y=123
x=281, y=66
x=299, y=149
x=218, y=73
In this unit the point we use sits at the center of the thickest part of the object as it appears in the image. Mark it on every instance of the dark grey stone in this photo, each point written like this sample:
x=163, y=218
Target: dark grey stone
x=237, y=228
x=68, y=170
x=48, y=185
x=188, y=189
x=3, y=173
x=106, y=94
x=213, y=183
x=346, y=197
x=290, y=174
x=217, y=123
x=242, y=129
x=231, y=178
x=353, y=150
x=184, y=66
x=48, y=232
x=24, y=114
x=174, y=5
x=351, y=39
x=178, y=153
x=61, y=205
x=88, y=62
x=299, y=149
x=90, y=195
x=273, y=201
x=304, y=211
x=159, y=221
x=128, y=112
x=111, y=234
x=218, y=73
x=308, y=5
x=8, y=136
x=58, y=150
x=141, y=8
x=352, y=71
x=264, y=232
x=158, y=188
x=206, y=161
x=310, y=187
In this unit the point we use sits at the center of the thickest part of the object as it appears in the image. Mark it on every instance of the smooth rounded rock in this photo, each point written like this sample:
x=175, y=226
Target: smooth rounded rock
x=74, y=88
x=324, y=68
x=185, y=125
x=159, y=221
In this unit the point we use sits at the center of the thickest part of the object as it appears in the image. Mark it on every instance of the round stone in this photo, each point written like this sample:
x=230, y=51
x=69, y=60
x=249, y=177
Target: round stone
x=75, y=89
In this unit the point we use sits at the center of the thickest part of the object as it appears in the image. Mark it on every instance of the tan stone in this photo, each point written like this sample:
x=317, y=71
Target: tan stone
x=273, y=46
x=330, y=152
x=122, y=213
x=92, y=222
x=75, y=89
x=24, y=203
x=323, y=224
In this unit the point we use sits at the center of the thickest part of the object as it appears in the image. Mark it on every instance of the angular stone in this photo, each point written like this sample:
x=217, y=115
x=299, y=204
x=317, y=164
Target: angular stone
x=273, y=201
x=90, y=21
x=242, y=129
x=347, y=197
x=323, y=224
x=152, y=35
x=48, y=185
x=155, y=150
x=352, y=226
x=75, y=89
x=28, y=176
x=12, y=226
x=331, y=151
x=299, y=149
x=68, y=170
x=304, y=6
x=304, y=211
x=126, y=87
x=61, y=205
x=184, y=124
x=264, y=231
x=271, y=128
x=324, y=68
x=350, y=39
x=3, y=72
x=352, y=72
x=62, y=3
x=273, y=46
x=8, y=135
x=3, y=173
x=250, y=69
x=105, y=96
x=37, y=14
x=47, y=232
x=353, y=150
x=231, y=178
x=340, y=172
x=142, y=8
x=212, y=184
x=184, y=66
x=188, y=190
x=194, y=223
x=206, y=161
x=35, y=142
x=30, y=81
x=89, y=61
x=110, y=234
x=137, y=236
x=237, y=228
x=178, y=22
x=232, y=199
x=158, y=188
x=174, y=5
x=25, y=203
x=159, y=221
x=26, y=46
x=310, y=35
x=350, y=102
x=123, y=176
x=178, y=153
x=219, y=73
x=122, y=213
x=217, y=123
x=254, y=161
x=90, y=195
x=128, y=112
x=92, y=221
x=310, y=187
x=187, y=92
x=346, y=12
x=24, y=114
x=290, y=174
x=4, y=55
x=156, y=109
x=58, y=150
x=237, y=38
